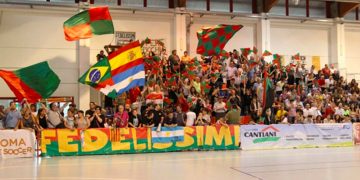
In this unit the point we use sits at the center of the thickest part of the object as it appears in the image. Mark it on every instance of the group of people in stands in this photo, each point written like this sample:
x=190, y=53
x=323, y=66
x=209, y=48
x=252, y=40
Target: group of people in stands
x=221, y=90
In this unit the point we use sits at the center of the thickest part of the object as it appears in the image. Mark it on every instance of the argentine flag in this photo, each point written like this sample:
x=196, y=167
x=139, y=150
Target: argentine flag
x=167, y=134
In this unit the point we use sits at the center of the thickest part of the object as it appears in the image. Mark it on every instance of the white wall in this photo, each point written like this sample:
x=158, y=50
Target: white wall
x=29, y=37
x=245, y=37
x=307, y=39
x=352, y=44
x=143, y=24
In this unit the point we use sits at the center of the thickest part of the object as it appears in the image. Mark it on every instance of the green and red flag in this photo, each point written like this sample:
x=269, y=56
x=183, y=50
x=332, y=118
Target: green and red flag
x=296, y=56
x=212, y=40
x=245, y=51
x=267, y=53
x=255, y=50
x=205, y=87
x=95, y=21
x=33, y=82
x=277, y=60
x=252, y=63
x=268, y=92
x=224, y=54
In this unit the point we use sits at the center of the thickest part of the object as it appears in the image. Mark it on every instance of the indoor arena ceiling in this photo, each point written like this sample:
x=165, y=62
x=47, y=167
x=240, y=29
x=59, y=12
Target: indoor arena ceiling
x=308, y=9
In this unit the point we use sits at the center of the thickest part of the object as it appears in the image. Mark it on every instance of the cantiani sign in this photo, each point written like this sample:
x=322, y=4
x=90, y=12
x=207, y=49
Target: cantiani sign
x=60, y=142
x=20, y=143
x=295, y=136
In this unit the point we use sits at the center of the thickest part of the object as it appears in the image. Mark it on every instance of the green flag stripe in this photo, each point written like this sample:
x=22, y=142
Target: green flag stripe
x=40, y=78
x=102, y=27
x=81, y=18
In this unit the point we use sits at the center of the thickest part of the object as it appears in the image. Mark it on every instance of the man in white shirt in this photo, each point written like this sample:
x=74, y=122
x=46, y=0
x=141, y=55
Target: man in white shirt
x=307, y=111
x=190, y=118
x=339, y=110
x=219, y=108
x=329, y=82
x=231, y=70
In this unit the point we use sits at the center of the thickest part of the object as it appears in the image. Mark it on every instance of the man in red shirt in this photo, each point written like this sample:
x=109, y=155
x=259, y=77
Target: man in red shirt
x=321, y=82
x=326, y=71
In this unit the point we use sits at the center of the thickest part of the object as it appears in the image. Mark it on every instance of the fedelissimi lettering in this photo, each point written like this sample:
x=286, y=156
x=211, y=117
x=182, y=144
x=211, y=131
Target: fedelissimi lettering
x=260, y=134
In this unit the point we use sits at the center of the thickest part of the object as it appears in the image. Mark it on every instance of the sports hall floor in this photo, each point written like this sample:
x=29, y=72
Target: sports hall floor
x=290, y=164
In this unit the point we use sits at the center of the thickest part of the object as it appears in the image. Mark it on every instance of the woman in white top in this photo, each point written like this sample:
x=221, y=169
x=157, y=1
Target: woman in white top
x=70, y=120
x=190, y=118
x=81, y=121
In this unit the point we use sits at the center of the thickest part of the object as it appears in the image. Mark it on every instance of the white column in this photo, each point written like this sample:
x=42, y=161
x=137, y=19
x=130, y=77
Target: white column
x=180, y=33
x=83, y=58
x=263, y=35
x=338, y=48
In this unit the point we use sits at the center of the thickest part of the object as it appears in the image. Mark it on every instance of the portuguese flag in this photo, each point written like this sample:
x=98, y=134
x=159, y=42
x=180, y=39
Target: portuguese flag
x=268, y=92
x=245, y=51
x=212, y=40
x=33, y=82
x=86, y=23
x=267, y=53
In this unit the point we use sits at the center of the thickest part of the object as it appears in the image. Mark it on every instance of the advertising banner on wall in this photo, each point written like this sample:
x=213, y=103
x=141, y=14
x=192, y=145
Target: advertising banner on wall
x=15, y=144
x=295, y=136
x=65, y=142
x=356, y=129
x=122, y=37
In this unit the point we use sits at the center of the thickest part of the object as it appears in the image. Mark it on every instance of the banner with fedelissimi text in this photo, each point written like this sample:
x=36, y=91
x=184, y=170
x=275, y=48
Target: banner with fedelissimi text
x=295, y=136
x=17, y=144
x=65, y=142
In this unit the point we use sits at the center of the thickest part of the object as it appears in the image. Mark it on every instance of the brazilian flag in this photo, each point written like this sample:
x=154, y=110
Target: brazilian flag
x=97, y=74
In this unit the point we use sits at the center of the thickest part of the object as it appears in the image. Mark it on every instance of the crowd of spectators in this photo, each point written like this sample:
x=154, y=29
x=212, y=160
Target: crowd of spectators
x=185, y=91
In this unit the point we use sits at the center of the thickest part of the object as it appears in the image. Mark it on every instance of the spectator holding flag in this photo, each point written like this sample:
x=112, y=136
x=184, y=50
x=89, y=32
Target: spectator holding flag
x=121, y=117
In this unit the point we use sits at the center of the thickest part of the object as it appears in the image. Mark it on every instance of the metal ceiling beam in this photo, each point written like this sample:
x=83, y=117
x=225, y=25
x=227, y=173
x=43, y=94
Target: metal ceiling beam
x=346, y=7
x=181, y=3
x=255, y=9
x=268, y=4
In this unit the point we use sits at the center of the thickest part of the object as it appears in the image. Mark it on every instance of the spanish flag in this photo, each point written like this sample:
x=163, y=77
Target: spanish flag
x=123, y=71
x=127, y=70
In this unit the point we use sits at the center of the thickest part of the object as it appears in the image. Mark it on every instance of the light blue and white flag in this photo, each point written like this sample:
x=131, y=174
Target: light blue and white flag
x=167, y=134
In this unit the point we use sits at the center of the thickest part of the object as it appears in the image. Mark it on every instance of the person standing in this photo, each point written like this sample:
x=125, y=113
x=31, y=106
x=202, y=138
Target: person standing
x=134, y=119
x=121, y=117
x=12, y=117
x=97, y=120
x=42, y=117
x=101, y=56
x=55, y=119
x=219, y=108
x=2, y=116
x=90, y=112
x=179, y=116
x=70, y=120
x=233, y=116
x=174, y=61
x=82, y=122
x=190, y=118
